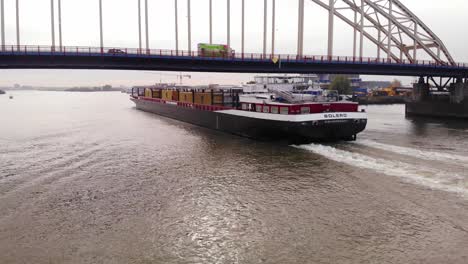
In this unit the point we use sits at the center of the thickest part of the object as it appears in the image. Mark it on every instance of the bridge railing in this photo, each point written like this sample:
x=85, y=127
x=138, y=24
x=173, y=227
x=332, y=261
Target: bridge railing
x=277, y=58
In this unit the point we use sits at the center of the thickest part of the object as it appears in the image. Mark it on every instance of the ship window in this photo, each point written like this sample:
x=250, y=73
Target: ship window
x=274, y=110
x=258, y=108
x=266, y=109
x=245, y=107
x=305, y=110
x=284, y=110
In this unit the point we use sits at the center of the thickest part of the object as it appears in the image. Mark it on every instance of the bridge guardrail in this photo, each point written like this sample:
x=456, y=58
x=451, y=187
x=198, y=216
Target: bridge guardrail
x=280, y=58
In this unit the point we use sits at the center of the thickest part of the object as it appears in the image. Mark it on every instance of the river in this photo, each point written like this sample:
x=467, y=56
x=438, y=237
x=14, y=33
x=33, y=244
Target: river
x=87, y=178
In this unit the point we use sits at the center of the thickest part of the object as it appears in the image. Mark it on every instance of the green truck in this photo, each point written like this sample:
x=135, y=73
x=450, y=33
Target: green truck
x=215, y=50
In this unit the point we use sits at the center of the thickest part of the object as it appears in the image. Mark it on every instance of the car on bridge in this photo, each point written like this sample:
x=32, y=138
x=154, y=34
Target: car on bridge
x=116, y=51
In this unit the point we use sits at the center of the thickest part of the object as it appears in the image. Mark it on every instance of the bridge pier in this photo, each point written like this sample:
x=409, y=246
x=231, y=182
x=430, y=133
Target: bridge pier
x=458, y=92
x=455, y=105
x=420, y=90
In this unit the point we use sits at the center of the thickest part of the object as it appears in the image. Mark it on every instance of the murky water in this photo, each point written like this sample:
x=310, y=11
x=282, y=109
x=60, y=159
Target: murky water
x=86, y=178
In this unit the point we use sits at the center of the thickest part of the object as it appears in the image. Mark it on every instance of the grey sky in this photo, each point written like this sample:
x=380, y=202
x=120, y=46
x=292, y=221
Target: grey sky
x=80, y=27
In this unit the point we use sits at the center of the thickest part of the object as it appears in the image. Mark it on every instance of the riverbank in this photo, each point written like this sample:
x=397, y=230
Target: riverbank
x=382, y=100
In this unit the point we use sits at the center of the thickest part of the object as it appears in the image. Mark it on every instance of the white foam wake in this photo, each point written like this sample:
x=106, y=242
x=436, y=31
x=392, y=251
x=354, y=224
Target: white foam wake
x=434, y=179
x=417, y=153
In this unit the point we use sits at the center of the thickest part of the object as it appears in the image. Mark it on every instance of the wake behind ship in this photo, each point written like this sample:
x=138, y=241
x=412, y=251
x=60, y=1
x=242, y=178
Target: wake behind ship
x=278, y=116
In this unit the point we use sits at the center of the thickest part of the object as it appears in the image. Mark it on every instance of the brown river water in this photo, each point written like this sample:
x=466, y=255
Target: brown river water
x=87, y=178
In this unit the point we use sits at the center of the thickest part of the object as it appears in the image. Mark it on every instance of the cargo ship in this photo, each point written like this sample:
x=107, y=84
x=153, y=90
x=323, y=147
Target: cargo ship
x=270, y=116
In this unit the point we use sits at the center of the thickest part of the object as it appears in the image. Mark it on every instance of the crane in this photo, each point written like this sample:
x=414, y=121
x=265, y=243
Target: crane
x=179, y=76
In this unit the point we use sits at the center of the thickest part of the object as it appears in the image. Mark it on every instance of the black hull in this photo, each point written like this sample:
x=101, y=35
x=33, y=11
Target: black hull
x=266, y=130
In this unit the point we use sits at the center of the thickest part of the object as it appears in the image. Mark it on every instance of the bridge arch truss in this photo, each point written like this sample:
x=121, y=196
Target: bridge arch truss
x=397, y=32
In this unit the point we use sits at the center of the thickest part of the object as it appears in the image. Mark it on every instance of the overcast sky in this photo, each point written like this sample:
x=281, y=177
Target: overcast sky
x=80, y=22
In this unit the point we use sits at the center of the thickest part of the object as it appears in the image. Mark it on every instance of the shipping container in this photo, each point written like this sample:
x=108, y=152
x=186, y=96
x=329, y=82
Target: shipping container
x=148, y=93
x=203, y=98
x=156, y=93
x=186, y=97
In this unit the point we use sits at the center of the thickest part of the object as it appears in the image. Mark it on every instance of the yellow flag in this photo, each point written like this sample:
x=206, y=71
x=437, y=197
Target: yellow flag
x=275, y=60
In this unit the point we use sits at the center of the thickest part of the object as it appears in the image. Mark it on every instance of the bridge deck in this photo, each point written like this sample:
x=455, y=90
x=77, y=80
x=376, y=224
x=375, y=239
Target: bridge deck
x=44, y=57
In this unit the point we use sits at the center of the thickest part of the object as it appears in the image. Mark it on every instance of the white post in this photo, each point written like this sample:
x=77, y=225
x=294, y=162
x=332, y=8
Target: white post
x=176, y=27
x=147, y=27
x=2, y=21
x=355, y=35
x=211, y=21
x=415, y=45
x=140, y=46
x=189, y=22
x=361, y=44
x=331, y=16
x=229, y=23
x=273, y=27
x=265, y=13
x=52, y=24
x=300, y=29
x=389, y=36
x=60, y=23
x=100, y=25
x=243, y=26
x=17, y=26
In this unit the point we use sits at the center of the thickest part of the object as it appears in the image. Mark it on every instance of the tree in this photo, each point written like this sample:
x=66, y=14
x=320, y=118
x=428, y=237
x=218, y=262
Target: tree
x=342, y=84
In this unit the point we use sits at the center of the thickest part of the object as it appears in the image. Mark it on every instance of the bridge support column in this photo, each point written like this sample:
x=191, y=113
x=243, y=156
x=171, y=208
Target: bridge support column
x=420, y=90
x=458, y=92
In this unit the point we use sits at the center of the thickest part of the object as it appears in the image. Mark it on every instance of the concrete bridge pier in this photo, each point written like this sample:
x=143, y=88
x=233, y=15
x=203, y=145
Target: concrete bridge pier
x=459, y=91
x=420, y=90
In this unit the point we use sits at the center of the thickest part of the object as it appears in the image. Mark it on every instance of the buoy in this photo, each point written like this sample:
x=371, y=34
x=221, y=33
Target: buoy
x=11, y=96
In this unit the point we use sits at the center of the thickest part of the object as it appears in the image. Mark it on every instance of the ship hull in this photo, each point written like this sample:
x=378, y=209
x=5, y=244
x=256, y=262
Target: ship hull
x=256, y=127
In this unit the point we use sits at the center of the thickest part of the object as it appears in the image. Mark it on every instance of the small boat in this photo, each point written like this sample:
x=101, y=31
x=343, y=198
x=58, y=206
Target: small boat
x=11, y=96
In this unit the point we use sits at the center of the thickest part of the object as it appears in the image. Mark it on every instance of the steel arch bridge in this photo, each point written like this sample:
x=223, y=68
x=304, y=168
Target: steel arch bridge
x=403, y=44
x=391, y=26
